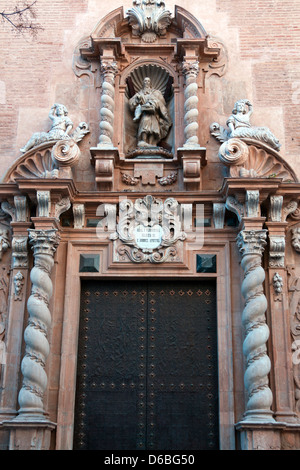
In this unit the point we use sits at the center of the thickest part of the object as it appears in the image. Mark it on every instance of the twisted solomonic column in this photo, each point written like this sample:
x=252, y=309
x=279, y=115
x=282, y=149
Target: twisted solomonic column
x=190, y=71
x=251, y=244
x=109, y=70
x=44, y=244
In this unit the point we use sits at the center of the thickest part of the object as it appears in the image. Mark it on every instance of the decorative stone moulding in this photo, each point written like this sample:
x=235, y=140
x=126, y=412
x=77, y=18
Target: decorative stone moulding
x=104, y=161
x=193, y=160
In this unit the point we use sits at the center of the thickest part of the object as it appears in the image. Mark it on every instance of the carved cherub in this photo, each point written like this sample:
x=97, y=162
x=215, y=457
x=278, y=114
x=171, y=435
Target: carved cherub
x=61, y=126
x=239, y=126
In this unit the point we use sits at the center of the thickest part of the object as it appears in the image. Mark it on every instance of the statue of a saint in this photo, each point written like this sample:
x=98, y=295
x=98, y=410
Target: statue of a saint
x=151, y=113
x=61, y=126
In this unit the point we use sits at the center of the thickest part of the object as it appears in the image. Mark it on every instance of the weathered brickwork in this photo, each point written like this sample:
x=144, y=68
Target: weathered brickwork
x=29, y=67
x=269, y=36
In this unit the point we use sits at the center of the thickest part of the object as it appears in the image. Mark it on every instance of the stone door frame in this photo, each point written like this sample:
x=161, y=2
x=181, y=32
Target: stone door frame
x=68, y=371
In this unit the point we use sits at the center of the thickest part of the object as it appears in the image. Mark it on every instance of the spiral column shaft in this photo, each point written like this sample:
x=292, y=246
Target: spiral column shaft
x=109, y=70
x=190, y=71
x=251, y=244
x=44, y=244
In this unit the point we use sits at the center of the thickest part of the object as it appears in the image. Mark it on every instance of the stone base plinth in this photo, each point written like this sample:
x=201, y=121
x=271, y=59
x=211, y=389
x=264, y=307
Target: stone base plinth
x=267, y=436
x=29, y=435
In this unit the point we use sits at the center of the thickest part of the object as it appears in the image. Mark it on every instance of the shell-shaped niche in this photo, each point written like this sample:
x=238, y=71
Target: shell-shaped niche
x=263, y=164
x=37, y=164
x=160, y=80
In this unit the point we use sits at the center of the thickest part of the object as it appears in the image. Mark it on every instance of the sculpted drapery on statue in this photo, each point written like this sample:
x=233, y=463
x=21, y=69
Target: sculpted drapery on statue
x=150, y=111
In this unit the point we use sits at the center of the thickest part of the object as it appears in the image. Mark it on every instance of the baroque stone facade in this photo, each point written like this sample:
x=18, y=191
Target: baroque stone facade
x=161, y=105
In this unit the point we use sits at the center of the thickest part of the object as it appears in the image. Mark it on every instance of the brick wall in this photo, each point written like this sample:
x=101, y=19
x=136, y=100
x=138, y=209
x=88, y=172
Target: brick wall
x=269, y=37
x=28, y=69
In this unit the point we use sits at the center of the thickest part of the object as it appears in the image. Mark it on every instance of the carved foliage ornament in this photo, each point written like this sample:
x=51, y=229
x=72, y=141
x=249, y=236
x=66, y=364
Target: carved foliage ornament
x=149, y=19
x=149, y=229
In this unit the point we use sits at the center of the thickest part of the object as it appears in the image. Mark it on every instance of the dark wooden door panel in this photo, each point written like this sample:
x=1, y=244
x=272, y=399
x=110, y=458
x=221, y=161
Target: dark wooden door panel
x=147, y=366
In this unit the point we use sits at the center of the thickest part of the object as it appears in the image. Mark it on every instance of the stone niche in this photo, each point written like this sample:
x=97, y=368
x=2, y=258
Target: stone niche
x=148, y=142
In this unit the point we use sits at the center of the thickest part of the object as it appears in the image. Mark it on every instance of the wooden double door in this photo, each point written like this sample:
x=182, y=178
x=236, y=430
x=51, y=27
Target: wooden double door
x=147, y=366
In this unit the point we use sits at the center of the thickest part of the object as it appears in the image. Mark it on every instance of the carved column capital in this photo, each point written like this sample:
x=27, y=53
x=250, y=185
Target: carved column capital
x=109, y=69
x=252, y=242
x=190, y=69
x=44, y=242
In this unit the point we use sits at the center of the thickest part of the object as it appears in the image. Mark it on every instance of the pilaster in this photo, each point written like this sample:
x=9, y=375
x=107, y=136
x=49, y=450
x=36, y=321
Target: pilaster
x=16, y=307
x=279, y=314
